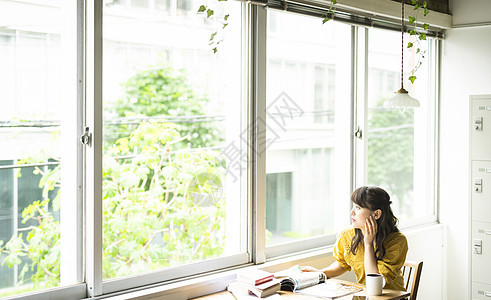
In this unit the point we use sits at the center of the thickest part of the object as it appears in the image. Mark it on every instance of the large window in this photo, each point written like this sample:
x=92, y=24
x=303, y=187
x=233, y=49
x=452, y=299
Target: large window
x=174, y=161
x=401, y=143
x=170, y=180
x=307, y=109
x=40, y=207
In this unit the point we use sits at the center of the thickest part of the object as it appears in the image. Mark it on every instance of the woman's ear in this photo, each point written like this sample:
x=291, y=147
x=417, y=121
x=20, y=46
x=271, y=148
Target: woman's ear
x=377, y=214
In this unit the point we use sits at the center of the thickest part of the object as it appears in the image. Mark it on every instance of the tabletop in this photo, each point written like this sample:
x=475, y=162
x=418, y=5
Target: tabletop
x=386, y=294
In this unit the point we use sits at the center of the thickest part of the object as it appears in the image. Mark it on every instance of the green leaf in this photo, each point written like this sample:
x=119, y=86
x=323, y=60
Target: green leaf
x=416, y=7
x=425, y=26
x=12, y=260
x=413, y=2
x=209, y=12
x=417, y=50
x=422, y=36
x=225, y=25
x=212, y=36
x=425, y=4
x=411, y=20
x=334, y=1
x=409, y=44
x=426, y=11
x=325, y=20
x=412, y=32
x=202, y=8
x=214, y=50
x=412, y=78
x=226, y=16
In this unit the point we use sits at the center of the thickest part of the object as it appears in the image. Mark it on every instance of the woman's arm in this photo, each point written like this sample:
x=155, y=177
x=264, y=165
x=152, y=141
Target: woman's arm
x=332, y=270
x=370, y=261
x=369, y=241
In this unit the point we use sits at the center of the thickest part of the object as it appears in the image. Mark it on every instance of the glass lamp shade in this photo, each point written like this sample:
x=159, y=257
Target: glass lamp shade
x=401, y=100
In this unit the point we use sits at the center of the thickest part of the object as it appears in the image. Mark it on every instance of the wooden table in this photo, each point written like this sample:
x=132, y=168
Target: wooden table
x=386, y=294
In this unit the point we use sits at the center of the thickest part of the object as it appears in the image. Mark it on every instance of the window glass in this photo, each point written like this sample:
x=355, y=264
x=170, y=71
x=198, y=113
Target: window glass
x=37, y=68
x=307, y=149
x=174, y=155
x=400, y=142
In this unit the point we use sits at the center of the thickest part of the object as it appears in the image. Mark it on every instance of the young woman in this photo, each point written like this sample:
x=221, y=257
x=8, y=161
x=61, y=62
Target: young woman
x=373, y=244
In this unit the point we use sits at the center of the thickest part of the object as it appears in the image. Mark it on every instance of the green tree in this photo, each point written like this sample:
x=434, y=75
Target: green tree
x=161, y=206
x=166, y=93
x=163, y=202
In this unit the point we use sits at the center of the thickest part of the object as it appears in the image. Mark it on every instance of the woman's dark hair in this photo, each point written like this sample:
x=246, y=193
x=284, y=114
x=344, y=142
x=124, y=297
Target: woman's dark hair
x=375, y=198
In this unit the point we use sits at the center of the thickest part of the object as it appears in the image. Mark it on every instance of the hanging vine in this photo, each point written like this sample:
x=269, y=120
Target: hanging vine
x=214, y=41
x=418, y=32
x=330, y=11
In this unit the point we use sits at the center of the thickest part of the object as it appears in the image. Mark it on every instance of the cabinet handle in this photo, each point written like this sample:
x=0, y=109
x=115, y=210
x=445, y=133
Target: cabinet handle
x=488, y=232
x=488, y=170
x=487, y=294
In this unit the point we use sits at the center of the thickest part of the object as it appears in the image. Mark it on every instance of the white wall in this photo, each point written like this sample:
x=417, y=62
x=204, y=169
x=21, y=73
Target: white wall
x=427, y=244
x=466, y=70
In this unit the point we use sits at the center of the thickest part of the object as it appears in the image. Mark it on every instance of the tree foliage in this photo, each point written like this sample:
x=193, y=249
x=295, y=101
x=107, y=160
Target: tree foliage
x=166, y=93
x=162, y=199
x=161, y=207
x=391, y=151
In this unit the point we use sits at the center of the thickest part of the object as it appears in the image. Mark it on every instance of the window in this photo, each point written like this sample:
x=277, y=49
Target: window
x=401, y=145
x=169, y=171
x=307, y=108
x=40, y=235
x=174, y=158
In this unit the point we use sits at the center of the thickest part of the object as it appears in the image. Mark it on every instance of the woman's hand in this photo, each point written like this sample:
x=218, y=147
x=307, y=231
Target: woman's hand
x=308, y=269
x=370, y=231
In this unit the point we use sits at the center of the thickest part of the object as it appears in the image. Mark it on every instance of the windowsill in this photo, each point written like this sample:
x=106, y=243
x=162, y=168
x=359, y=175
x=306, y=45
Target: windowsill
x=208, y=284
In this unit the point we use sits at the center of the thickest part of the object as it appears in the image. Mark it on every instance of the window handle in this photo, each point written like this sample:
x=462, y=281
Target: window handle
x=359, y=133
x=86, y=137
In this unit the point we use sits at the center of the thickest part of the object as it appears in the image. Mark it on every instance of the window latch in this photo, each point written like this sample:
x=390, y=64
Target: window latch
x=86, y=137
x=359, y=133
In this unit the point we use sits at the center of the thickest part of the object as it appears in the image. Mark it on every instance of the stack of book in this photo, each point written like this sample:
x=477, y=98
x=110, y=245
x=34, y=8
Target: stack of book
x=254, y=282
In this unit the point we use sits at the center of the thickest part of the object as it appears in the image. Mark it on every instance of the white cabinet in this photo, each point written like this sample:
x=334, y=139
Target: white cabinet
x=481, y=291
x=481, y=252
x=480, y=195
x=481, y=190
x=480, y=128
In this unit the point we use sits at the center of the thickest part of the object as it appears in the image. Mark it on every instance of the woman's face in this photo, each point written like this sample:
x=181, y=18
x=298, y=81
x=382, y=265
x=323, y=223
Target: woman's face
x=359, y=216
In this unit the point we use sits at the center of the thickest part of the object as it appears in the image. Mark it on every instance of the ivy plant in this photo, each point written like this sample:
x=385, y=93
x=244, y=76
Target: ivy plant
x=419, y=6
x=209, y=11
x=419, y=33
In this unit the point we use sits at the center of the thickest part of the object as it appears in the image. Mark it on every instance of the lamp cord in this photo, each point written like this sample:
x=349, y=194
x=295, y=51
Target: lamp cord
x=402, y=43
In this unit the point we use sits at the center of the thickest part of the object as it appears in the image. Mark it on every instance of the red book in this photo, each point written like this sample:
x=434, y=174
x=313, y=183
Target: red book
x=254, y=276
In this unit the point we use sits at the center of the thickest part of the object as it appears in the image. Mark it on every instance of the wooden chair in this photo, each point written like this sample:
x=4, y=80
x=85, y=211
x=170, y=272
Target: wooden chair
x=412, y=274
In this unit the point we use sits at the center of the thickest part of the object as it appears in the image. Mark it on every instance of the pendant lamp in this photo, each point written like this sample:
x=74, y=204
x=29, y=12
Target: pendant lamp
x=401, y=100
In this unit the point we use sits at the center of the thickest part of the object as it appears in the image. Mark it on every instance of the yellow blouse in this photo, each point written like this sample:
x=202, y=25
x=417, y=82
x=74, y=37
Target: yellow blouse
x=390, y=266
